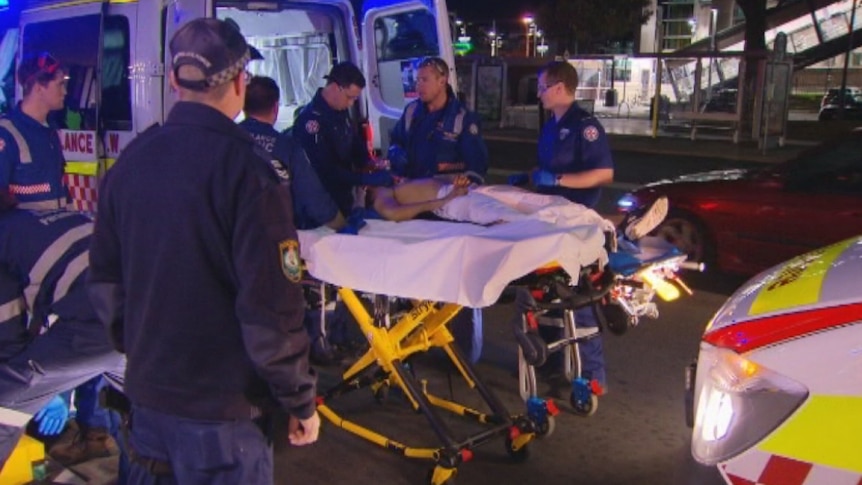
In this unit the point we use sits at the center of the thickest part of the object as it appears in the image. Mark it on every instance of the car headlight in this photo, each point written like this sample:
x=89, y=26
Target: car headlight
x=738, y=403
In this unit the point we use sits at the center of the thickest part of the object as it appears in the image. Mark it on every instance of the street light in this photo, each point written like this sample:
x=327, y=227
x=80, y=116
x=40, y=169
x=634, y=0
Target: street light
x=536, y=39
x=528, y=23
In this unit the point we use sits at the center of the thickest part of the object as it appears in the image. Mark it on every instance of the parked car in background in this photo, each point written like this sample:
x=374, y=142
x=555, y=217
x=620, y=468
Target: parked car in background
x=832, y=109
x=776, y=392
x=831, y=95
x=744, y=221
x=722, y=101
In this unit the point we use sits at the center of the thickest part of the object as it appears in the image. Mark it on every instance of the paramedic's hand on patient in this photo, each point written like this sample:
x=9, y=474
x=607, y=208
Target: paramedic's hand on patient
x=544, y=178
x=380, y=178
x=302, y=432
x=52, y=418
x=518, y=179
x=355, y=222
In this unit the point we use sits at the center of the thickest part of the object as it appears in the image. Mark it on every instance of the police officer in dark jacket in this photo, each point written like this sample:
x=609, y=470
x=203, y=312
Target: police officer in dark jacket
x=312, y=206
x=31, y=158
x=195, y=269
x=436, y=133
x=332, y=140
x=574, y=162
x=50, y=338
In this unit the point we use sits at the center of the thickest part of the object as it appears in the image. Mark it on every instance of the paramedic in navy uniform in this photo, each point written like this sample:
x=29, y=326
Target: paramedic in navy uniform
x=332, y=141
x=197, y=278
x=574, y=162
x=31, y=158
x=438, y=135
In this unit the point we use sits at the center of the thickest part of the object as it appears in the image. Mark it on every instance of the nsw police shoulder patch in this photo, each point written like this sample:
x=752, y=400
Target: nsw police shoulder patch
x=291, y=266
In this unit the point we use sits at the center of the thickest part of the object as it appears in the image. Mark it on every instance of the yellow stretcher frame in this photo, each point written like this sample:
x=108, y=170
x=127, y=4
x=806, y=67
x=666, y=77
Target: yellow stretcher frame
x=423, y=327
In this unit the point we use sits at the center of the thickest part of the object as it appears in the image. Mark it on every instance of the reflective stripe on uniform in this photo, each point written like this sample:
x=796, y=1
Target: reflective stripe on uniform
x=30, y=189
x=50, y=257
x=459, y=121
x=23, y=149
x=11, y=417
x=11, y=309
x=409, y=111
x=72, y=272
x=43, y=205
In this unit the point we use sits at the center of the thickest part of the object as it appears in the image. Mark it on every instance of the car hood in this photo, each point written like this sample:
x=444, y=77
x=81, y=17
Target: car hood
x=714, y=176
x=822, y=278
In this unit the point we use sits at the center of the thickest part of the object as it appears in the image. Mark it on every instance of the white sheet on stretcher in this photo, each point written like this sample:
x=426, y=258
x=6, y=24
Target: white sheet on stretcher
x=454, y=262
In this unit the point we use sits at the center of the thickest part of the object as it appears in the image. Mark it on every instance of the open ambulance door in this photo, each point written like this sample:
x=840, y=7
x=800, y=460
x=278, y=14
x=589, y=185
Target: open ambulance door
x=177, y=13
x=397, y=35
x=93, y=42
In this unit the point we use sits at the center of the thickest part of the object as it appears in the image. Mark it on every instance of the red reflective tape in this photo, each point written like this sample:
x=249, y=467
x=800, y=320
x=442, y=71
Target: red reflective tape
x=735, y=480
x=784, y=471
x=762, y=332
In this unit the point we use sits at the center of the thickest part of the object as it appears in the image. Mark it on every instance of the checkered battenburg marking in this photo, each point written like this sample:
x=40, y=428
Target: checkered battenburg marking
x=84, y=191
x=759, y=468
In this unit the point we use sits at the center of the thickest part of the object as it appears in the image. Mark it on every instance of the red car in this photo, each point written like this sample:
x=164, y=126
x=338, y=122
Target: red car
x=744, y=221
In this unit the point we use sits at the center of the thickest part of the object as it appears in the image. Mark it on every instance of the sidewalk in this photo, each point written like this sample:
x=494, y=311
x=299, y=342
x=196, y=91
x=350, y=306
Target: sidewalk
x=633, y=133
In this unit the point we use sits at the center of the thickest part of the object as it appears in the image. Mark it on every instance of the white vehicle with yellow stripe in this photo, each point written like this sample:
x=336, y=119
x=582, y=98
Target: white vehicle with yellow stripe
x=778, y=389
x=115, y=54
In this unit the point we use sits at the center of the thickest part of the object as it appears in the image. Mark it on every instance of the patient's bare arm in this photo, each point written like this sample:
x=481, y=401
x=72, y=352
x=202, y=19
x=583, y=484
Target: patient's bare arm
x=408, y=200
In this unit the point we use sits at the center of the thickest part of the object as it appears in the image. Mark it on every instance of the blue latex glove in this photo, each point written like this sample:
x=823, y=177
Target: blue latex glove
x=52, y=418
x=397, y=159
x=519, y=179
x=380, y=178
x=355, y=222
x=543, y=177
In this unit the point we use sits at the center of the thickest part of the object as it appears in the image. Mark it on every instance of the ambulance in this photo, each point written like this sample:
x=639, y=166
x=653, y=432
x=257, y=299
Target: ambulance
x=116, y=54
x=777, y=387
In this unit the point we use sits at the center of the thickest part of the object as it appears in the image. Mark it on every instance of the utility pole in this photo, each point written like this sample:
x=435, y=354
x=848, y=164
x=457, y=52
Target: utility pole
x=841, y=95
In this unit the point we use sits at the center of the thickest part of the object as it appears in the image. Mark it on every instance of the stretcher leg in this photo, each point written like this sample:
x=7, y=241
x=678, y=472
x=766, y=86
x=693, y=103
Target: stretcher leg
x=423, y=327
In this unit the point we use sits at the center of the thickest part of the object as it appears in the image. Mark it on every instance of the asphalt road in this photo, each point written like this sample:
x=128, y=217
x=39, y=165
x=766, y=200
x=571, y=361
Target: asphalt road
x=637, y=436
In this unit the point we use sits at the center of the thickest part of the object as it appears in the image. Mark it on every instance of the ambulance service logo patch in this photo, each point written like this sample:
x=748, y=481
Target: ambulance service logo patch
x=591, y=133
x=2, y=144
x=474, y=130
x=291, y=266
x=312, y=127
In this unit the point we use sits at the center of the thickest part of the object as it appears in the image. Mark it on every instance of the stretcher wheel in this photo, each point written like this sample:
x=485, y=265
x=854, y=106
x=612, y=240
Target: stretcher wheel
x=547, y=428
x=518, y=456
x=584, y=408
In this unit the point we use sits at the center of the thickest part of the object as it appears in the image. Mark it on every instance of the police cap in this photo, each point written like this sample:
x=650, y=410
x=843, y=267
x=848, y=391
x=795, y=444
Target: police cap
x=215, y=49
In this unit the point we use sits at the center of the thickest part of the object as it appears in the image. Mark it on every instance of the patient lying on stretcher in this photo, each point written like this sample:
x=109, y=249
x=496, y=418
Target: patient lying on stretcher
x=456, y=198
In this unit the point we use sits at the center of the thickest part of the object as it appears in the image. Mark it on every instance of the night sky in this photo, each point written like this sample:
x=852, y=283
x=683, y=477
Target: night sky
x=481, y=11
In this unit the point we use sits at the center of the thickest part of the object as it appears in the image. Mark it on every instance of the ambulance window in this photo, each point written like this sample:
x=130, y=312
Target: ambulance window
x=401, y=41
x=116, y=108
x=299, y=46
x=75, y=43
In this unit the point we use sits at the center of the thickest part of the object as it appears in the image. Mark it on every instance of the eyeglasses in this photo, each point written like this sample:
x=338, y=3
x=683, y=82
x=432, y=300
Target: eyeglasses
x=543, y=88
x=438, y=64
